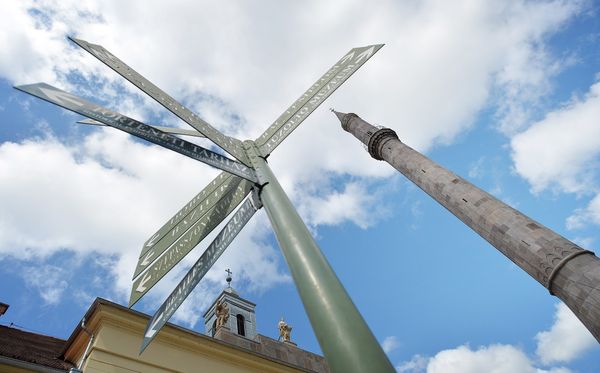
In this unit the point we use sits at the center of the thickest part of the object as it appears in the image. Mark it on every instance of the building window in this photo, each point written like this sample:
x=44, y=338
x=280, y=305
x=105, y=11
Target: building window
x=241, y=325
x=213, y=330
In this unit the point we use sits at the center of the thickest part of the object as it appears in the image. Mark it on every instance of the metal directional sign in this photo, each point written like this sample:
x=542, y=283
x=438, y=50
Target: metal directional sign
x=201, y=267
x=187, y=241
x=171, y=130
x=153, y=248
x=185, y=210
x=139, y=129
x=313, y=97
x=322, y=294
x=229, y=144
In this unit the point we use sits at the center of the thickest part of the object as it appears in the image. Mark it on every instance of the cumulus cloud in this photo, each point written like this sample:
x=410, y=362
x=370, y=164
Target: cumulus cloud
x=566, y=340
x=106, y=195
x=241, y=82
x=560, y=153
x=354, y=204
x=416, y=364
x=49, y=281
x=586, y=215
x=496, y=358
x=561, y=150
x=390, y=344
x=482, y=45
x=476, y=169
x=455, y=57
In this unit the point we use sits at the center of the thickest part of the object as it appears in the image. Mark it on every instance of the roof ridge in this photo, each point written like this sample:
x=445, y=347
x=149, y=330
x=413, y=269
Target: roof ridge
x=23, y=330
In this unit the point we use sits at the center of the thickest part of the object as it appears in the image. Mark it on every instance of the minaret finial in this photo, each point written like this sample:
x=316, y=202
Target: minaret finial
x=344, y=118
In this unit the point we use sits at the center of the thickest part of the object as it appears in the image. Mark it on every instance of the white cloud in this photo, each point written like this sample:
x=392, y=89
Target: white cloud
x=449, y=55
x=416, y=364
x=416, y=210
x=33, y=35
x=566, y=340
x=584, y=216
x=561, y=150
x=50, y=281
x=354, y=204
x=390, y=344
x=495, y=358
x=106, y=195
x=476, y=169
x=525, y=78
x=561, y=153
x=441, y=66
x=585, y=242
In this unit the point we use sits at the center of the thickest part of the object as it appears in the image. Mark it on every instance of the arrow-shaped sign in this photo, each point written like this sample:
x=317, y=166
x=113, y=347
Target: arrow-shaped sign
x=71, y=102
x=231, y=145
x=313, y=97
x=203, y=207
x=365, y=55
x=59, y=97
x=198, y=270
x=186, y=242
x=148, y=258
x=198, y=199
x=171, y=130
x=141, y=286
x=152, y=241
x=347, y=57
x=152, y=330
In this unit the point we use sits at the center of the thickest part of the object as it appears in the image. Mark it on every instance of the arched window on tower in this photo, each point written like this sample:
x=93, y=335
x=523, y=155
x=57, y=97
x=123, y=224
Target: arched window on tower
x=241, y=326
x=213, y=330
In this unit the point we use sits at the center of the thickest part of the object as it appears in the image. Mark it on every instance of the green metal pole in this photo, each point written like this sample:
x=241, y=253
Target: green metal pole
x=346, y=340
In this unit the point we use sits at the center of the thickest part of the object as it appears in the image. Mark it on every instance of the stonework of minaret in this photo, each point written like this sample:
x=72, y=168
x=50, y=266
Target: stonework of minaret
x=565, y=269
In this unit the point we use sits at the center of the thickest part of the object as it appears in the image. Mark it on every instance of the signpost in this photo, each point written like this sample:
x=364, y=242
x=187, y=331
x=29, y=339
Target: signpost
x=229, y=144
x=185, y=242
x=313, y=97
x=133, y=127
x=346, y=340
x=175, y=228
x=185, y=210
x=198, y=270
x=171, y=130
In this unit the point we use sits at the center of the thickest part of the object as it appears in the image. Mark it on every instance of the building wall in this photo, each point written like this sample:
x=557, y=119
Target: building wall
x=118, y=335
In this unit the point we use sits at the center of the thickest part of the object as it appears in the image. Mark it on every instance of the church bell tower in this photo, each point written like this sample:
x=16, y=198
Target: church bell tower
x=232, y=313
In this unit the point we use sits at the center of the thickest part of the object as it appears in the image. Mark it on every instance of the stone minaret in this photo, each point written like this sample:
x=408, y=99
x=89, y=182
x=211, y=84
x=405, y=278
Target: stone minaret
x=565, y=269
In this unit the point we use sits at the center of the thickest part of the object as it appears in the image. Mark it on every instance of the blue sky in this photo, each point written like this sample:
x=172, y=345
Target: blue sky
x=506, y=94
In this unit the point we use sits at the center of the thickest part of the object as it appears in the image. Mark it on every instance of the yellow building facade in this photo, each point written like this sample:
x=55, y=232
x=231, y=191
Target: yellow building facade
x=112, y=335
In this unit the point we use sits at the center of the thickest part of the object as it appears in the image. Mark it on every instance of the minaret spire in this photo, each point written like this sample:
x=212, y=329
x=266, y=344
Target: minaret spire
x=338, y=114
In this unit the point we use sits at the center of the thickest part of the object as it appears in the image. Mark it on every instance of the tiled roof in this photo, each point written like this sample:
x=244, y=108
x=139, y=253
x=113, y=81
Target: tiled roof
x=32, y=348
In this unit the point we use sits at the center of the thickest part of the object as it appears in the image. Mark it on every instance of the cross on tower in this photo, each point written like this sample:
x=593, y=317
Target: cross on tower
x=323, y=296
x=228, y=279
